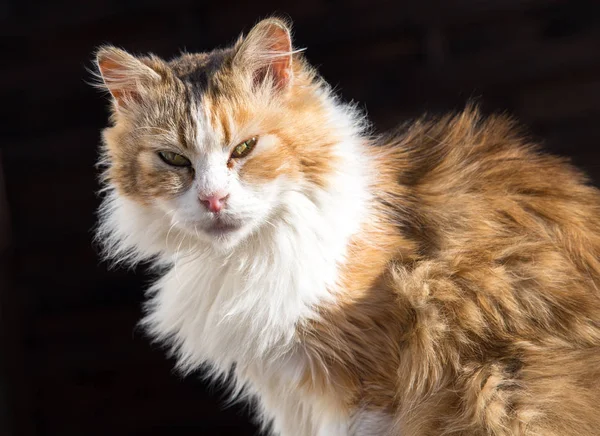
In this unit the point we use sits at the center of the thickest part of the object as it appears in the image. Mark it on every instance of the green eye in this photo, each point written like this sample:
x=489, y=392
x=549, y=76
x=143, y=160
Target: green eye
x=242, y=150
x=174, y=159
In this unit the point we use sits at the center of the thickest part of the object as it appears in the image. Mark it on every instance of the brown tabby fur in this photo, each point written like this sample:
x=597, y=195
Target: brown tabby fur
x=475, y=310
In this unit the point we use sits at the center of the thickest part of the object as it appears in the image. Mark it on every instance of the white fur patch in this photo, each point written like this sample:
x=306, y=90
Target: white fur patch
x=240, y=308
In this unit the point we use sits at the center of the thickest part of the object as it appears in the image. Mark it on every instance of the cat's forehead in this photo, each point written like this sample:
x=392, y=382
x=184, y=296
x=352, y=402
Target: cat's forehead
x=205, y=122
x=221, y=121
x=197, y=68
x=205, y=108
x=191, y=111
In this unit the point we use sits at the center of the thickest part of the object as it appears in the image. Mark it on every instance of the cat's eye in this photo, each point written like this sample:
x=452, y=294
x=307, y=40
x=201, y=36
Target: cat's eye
x=242, y=149
x=174, y=159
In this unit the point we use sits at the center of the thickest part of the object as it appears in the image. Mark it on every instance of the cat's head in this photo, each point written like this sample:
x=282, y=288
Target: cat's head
x=217, y=144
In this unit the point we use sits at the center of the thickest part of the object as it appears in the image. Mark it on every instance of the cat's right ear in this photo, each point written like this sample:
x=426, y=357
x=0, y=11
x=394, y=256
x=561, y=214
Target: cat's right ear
x=123, y=75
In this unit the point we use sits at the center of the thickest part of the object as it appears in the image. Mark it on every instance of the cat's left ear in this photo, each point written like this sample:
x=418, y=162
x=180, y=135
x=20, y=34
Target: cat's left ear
x=267, y=53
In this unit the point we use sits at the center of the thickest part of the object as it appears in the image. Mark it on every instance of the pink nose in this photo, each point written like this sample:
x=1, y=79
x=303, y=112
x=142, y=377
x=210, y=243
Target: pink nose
x=214, y=202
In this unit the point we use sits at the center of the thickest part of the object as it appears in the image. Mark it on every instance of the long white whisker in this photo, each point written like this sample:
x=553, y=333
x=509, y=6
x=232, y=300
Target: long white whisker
x=169, y=232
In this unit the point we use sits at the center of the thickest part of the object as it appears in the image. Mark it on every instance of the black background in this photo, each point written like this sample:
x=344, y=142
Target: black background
x=71, y=359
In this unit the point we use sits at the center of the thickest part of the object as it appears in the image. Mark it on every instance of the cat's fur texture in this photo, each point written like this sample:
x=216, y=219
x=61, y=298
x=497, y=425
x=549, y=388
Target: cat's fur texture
x=439, y=281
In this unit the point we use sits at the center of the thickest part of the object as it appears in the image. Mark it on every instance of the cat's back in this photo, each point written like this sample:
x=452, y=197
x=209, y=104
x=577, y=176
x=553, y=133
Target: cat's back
x=504, y=280
x=477, y=185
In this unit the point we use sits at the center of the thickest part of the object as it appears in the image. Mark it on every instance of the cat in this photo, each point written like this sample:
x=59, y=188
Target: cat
x=439, y=280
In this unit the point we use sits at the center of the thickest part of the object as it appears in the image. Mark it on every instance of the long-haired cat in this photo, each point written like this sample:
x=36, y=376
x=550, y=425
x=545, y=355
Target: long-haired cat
x=439, y=281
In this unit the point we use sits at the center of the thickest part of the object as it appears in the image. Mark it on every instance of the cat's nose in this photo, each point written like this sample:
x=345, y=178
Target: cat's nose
x=214, y=202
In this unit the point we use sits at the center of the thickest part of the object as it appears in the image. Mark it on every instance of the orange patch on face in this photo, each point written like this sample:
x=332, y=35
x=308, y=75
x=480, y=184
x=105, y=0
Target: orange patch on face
x=265, y=165
x=301, y=150
x=227, y=112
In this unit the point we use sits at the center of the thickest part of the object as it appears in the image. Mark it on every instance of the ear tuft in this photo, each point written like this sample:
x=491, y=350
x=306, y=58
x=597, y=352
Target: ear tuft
x=123, y=75
x=267, y=53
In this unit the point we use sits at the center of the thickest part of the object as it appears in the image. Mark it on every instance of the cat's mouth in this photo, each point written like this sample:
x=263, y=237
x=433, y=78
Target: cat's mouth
x=221, y=227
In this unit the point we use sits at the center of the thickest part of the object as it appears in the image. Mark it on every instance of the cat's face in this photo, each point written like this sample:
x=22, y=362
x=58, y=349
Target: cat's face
x=217, y=145
x=216, y=177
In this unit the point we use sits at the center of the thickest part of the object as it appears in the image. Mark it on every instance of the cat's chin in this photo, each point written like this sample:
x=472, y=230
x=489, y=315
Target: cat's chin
x=222, y=236
x=225, y=241
x=220, y=229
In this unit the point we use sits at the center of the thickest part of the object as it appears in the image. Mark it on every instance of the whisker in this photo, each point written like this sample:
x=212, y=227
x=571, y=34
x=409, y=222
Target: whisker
x=169, y=232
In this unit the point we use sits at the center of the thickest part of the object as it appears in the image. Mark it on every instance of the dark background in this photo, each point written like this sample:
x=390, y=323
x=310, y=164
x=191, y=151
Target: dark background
x=71, y=359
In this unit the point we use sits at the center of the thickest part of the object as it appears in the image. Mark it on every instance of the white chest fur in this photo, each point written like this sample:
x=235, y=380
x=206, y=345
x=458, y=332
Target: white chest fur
x=217, y=310
x=242, y=308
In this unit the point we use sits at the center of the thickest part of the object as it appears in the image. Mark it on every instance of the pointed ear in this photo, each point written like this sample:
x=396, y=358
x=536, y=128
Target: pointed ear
x=123, y=75
x=267, y=53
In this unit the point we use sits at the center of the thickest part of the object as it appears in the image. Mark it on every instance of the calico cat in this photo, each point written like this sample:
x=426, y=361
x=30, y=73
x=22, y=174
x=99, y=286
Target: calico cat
x=442, y=280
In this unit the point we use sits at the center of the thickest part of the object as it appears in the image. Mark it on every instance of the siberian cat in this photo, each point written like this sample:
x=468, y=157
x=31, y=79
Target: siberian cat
x=439, y=281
